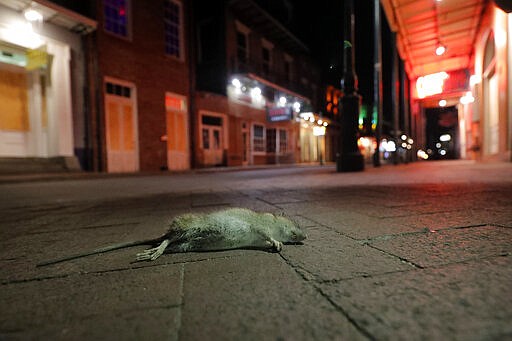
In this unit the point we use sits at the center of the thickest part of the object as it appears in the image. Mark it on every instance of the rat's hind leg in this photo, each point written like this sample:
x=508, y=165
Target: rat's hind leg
x=154, y=253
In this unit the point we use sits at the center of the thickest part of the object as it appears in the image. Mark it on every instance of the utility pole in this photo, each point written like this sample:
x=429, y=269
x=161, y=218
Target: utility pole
x=348, y=157
x=377, y=79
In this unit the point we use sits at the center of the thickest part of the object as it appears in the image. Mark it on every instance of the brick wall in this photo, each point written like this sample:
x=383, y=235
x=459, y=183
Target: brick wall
x=142, y=60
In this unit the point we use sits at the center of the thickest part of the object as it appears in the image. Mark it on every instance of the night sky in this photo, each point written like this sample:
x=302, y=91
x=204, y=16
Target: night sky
x=319, y=25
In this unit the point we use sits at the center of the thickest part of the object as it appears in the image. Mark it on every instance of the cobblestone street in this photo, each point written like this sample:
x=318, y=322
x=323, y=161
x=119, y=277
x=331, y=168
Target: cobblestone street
x=418, y=251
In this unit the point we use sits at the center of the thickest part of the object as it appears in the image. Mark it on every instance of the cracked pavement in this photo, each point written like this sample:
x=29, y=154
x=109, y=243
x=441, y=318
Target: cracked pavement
x=418, y=251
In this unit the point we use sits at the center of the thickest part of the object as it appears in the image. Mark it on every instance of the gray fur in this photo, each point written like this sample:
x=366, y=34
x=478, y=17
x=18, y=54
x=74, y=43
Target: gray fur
x=233, y=228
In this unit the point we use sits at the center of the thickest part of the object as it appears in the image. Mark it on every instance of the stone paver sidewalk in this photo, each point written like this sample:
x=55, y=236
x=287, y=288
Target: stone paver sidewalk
x=420, y=251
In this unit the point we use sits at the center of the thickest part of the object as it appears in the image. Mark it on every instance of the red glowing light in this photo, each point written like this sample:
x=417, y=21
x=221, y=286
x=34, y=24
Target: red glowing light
x=122, y=11
x=173, y=103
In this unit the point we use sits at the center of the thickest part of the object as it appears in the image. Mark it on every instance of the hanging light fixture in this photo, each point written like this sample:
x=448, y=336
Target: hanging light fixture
x=32, y=15
x=440, y=49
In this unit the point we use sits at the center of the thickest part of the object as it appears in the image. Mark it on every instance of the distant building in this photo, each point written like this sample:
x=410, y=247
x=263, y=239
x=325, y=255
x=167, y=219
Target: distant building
x=42, y=77
x=254, y=82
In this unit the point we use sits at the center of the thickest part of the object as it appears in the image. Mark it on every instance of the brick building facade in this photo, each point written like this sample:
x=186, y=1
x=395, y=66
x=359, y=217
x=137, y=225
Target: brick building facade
x=177, y=84
x=254, y=79
x=231, y=96
x=139, y=80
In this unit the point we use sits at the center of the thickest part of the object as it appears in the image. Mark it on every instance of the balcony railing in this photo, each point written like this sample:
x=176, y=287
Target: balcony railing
x=289, y=81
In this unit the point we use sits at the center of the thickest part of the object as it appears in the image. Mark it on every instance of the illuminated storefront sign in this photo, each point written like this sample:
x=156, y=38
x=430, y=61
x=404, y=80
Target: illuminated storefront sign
x=442, y=82
x=431, y=84
x=279, y=114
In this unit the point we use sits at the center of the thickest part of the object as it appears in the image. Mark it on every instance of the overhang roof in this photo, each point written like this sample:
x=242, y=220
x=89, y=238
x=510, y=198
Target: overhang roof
x=54, y=14
x=254, y=16
x=423, y=24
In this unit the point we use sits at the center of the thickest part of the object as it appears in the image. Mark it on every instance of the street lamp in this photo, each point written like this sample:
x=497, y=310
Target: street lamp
x=348, y=157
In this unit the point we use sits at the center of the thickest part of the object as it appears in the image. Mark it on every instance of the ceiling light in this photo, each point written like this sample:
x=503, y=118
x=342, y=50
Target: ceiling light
x=33, y=15
x=256, y=92
x=440, y=50
x=236, y=83
x=22, y=33
x=445, y=138
x=442, y=103
x=467, y=98
x=475, y=79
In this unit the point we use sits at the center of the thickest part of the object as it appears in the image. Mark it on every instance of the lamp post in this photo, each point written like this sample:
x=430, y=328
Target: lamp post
x=349, y=158
x=377, y=80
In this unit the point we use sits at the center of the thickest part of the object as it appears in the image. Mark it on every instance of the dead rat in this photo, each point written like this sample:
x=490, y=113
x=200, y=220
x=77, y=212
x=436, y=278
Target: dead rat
x=233, y=228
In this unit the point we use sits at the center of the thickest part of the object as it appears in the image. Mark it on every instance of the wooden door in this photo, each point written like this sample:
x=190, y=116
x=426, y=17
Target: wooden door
x=14, y=112
x=121, y=128
x=177, y=133
x=212, y=145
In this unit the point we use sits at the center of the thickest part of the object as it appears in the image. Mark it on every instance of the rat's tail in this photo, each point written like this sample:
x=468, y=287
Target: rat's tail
x=99, y=250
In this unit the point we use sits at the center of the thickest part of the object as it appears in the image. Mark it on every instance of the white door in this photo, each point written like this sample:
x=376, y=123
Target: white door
x=121, y=129
x=177, y=133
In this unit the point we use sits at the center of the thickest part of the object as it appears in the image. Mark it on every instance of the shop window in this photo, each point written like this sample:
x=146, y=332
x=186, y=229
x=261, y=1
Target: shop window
x=216, y=139
x=266, y=60
x=211, y=120
x=271, y=140
x=208, y=41
x=287, y=70
x=258, y=138
x=283, y=141
x=173, y=28
x=211, y=132
x=206, y=139
x=266, y=56
x=332, y=97
x=288, y=67
x=115, y=15
x=241, y=47
x=118, y=90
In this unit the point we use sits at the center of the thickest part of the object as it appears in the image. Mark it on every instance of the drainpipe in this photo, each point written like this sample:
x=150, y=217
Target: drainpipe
x=191, y=38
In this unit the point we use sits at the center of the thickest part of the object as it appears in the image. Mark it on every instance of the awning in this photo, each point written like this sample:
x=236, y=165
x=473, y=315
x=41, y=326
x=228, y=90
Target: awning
x=423, y=25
